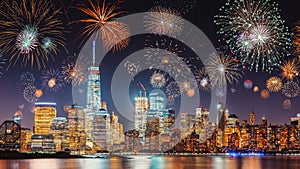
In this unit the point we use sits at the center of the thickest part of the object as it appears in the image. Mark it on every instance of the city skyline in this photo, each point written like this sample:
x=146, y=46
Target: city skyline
x=270, y=108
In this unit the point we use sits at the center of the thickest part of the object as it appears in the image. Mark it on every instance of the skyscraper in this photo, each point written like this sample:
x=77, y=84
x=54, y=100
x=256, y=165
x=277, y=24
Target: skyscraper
x=18, y=117
x=141, y=109
x=93, y=101
x=44, y=113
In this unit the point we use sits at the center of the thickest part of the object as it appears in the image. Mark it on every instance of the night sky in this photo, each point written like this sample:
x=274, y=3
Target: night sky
x=241, y=102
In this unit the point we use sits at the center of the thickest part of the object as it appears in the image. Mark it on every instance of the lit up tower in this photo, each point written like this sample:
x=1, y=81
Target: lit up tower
x=93, y=104
x=18, y=117
x=252, y=118
x=141, y=109
x=44, y=113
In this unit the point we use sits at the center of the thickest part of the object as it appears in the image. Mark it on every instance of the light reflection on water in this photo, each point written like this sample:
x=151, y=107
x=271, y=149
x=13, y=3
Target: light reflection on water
x=158, y=162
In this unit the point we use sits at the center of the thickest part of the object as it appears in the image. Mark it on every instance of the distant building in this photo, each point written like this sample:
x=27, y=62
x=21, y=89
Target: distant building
x=101, y=132
x=25, y=140
x=42, y=143
x=18, y=118
x=44, y=113
x=59, y=130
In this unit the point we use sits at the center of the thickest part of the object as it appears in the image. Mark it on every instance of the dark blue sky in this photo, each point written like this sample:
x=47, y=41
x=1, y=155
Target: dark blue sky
x=242, y=102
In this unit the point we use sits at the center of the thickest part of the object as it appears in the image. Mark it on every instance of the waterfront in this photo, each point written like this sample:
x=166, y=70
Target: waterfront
x=158, y=162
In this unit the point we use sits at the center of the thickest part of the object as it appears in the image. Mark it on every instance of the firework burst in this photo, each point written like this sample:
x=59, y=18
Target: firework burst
x=296, y=39
x=255, y=31
x=27, y=79
x=202, y=79
x=287, y=104
x=163, y=21
x=30, y=32
x=264, y=94
x=114, y=35
x=186, y=86
x=52, y=80
x=29, y=94
x=183, y=6
x=158, y=80
x=132, y=67
x=164, y=54
x=274, y=84
x=290, y=69
x=222, y=69
x=290, y=89
x=173, y=90
x=74, y=71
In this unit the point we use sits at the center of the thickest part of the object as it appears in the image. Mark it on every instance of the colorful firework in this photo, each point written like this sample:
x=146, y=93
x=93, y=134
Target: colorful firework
x=202, y=79
x=248, y=84
x=186, y=85
x=173, y=90
x=27, y=79
x=29, y=94
x=255, y=89
x=222, y=69
x=38, y=93
x=158, y=80
x=2, y=62
x=296, y=39
x=114, y=35
x=290, y=89
x=52, y=80
x=255, y=31
x=290, y=69
x=274, y=84
x=165, y=55
x=264, y=94
x=287, y=104
x=183, y=6
x=75, y=71
x=163, y=21
x=132, y=67
x=26, y=29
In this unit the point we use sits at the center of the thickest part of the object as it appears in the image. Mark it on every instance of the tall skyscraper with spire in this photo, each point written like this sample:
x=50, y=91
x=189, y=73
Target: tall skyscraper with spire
x=93, y=101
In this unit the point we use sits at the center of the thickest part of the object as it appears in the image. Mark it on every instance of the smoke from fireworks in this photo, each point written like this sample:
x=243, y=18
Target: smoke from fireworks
x=30, y=32
x=100, y=21
x=274, y=84
x=163, y=21
x=255, y=31
x=52, y=80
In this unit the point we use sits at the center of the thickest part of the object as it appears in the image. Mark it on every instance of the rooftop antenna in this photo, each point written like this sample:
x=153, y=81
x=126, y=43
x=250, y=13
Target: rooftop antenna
x=94, y=53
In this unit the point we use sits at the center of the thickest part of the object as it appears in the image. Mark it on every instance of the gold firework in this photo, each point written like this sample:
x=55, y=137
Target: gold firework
x=264, y=94
x=297, y=39
x=114, y=35
x=274, y=84
x=289, y=69
x=30, y=32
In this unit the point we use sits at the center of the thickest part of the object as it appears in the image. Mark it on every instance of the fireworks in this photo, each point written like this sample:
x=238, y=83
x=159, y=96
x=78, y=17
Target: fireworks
x=171, y=100
x=264, y=94
x=183, y=6
x=29, y=94
x=274, y=84
x=38, y=93
x=202, y=79
x=297, y=39
x=290, y=89
x=75, y=72
x=290, y=69
x=287, y=104
x=163, y=21
x=255, y=31
x=158, y=80
x=255, y=89
x=27, y=79
x=52, y=80
x=248, y=84
x=164, y=55
x=113, y=34
x=186, y=86
x=173, y=90
x=26, y=29
x=222, y=69
x=132, y=68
